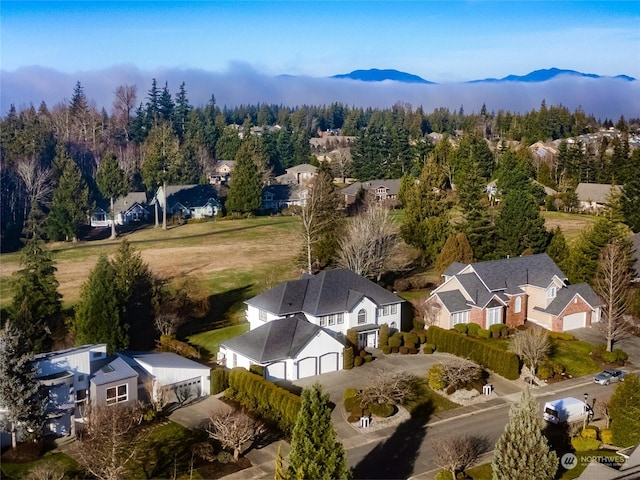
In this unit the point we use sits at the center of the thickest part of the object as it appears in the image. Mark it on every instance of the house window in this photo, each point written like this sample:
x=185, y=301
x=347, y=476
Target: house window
x=517, y=307
x=460, y=317
x=394, y=309
x=323, y=321
x=81, y=395
x=362, y=317
x=332, y=320
x=494, y=316
x=340, y=318
x=117, y=394
x=262, y=315
x=552, y=292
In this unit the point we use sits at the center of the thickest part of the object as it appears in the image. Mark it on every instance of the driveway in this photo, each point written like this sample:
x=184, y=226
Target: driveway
x=630, y=344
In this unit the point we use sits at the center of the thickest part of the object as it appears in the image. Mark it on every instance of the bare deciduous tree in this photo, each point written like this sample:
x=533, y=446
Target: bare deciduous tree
x=427, y=312
x=158, y=395
x=369, y=243
x=233, y=430
x=458, y=372
x=168, y=323
x=341, y=162
x=123, y=104
x=612, y=284
x=532, y=346
x=108, y=443
x=603, y=407
x=46, y=471
x=457, y=453
x=394, y=388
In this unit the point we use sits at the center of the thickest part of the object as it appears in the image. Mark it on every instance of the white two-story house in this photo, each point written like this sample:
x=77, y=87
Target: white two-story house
x=299, y=328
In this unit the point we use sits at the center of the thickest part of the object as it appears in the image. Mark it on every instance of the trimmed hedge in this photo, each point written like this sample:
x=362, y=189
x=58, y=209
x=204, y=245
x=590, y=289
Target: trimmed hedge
x=495, y=359
x=422, y=335
x=411, y=339
x=606, y=436
x=461, y=328
x=473, y=329
x=350, y=393
x=219, y=380
x=386, y=350
x=429, y=348
x=581, y=444
x=382, y=410
x=273, y=403
x=561, y=336
x=485, y=334
x=616, y=356
x=590, y=431
x=395, y=340
x=383, y=335
x=347, y=358
x=358, y=361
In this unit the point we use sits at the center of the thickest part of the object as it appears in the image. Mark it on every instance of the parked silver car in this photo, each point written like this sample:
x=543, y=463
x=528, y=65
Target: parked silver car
x=609, y=376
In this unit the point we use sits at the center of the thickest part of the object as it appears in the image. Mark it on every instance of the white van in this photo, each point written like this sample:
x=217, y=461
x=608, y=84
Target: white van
x=566, y=410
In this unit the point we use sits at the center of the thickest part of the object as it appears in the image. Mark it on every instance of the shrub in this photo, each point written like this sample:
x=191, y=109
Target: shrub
x=473, y=329
x=352, y=337
x=591, y=431
x=396, y=340
x=257, y=370
x=383, y=336
x=368, y=357
x=444, y=475
x=461, y=328
x=219, y=380
x=422, y=335
x=429, y=348
x=484, y=334
x=410, y=339
x=495, y=330
x=504, y=332
x=347, y=358
x=404, y=350
x=402, y=285
x=413, y=351
x=606, y=436
x=395, y=349
x=362, y=353
x=350, y=393
x=549, y=368
x=616, y=356
x=358, y=361
x=352, y=404
x=224, y=457
x=581, y=444
x=561, y=336
x=383, y=410
x=435, y=377
x=386, y=350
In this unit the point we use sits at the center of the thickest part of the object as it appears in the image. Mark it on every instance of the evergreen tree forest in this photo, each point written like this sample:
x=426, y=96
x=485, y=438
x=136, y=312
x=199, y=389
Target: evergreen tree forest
x=158, y=136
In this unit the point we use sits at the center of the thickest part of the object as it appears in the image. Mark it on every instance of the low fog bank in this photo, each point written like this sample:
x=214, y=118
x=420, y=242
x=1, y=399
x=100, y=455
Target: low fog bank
x=604, y=97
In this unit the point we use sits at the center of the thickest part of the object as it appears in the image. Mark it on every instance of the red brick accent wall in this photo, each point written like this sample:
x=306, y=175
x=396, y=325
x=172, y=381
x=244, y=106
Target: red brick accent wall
x=477, y=316
x=514, y=319
x=577, y=307
x=556, y=324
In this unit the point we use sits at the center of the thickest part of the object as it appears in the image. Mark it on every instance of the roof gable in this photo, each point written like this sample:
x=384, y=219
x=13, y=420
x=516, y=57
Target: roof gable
x=113, y=371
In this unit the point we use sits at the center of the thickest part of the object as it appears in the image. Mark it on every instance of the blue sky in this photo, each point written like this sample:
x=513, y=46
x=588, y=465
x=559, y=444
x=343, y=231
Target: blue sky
x=440, y=41
x=239, y=46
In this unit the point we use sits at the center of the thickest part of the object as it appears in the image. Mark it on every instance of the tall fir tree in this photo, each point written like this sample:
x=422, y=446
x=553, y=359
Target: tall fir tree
x=245, y=191
x=36, y=306
x=630, y=201
x=455, y=249
x=625, y=412
x=558, y=249
x=97, y=318
x=315, y=450
x=112, y=183
x=19, y=389
x=520, y=226
x=70, y=205
x=522, y=451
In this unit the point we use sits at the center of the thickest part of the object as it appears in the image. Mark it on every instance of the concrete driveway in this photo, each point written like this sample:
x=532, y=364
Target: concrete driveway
x=629, y=344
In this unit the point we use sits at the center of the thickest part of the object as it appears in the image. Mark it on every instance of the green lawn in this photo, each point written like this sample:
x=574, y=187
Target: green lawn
x=210, y=341
x=58, y=461
x=428, y=401
x=583, y=460
x=574, y=356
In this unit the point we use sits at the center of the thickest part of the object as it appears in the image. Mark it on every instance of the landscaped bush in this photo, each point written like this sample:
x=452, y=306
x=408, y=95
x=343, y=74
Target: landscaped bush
x=352, y=337
x=396, y=340
x=606, y=436
x=395, y=349
x=616, y=356
x=273, y=403
x=493, y=358
x=352, y=403
x=368, y=357
x=590, y=431
x=495, y=330
x=581, y=444
x=347, y=358
x=383, y=335
x=219, y=380
x=473, y=329
x=358, y=361
x=411, y=340
x=435, y=377
x=549, y=368
x=350, y=393
x=404, y=350
x=429, y=348
x=386, y=350
x=461, y=328
x=362, y=353
x=561, y=336
x=484, y=334
x=382, y=410
x=257, y=370
x=413, y=351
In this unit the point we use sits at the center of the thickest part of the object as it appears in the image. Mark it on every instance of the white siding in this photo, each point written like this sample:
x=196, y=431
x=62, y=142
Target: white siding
x=168, y=375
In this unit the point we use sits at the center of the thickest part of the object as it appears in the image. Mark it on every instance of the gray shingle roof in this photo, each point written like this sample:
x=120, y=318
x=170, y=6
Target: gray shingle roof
x=566, y=295
x=595, y=192
x=393, y=185
x=537, y=270
x=276, y=340
x=454, y=301
x=454, y=268
x=113, y=371
x=330, y=291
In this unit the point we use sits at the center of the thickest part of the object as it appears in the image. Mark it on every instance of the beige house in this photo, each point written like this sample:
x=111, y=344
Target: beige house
x=593, y=197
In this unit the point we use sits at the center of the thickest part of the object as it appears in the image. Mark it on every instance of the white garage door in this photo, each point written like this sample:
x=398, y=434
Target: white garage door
x=575, y=320
x=185, y=391
x=277, y=371
x=307, y=367
x=329, y=362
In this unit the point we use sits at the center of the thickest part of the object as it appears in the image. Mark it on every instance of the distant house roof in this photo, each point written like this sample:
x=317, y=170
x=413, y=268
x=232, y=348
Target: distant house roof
x=282, y=193
x=595, y=192
x=276, y=340
x=328, y=292
x=393, y=186
x=113, y=371
x=125, y=203
x=98, y=347
x=188, y=196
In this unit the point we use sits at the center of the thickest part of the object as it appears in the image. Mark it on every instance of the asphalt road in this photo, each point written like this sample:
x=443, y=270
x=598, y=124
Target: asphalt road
x=408, y=451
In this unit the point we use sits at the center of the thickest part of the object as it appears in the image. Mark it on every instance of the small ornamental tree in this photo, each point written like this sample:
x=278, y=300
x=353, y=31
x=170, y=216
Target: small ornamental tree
x=522, y=451
x=532, y=346
x=315, y=450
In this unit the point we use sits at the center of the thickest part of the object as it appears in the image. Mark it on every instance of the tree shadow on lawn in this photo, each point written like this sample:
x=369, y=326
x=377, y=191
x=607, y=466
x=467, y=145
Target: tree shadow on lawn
x=396, y=456
x=221, y=305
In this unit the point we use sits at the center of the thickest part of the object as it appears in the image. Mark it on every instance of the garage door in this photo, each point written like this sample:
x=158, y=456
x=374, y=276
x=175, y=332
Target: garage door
x=307, y=367
x=575, y=320
x=277, y=371
x=182, y=392
x=329, y=362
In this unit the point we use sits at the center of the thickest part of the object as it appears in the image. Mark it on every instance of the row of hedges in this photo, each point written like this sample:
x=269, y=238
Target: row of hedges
x=474, y=330
x=495, y=359
x=273, y=403
x=350, y=359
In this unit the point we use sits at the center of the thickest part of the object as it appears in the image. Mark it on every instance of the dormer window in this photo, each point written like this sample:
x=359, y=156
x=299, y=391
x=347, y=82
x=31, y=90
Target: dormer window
x=552, y=292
